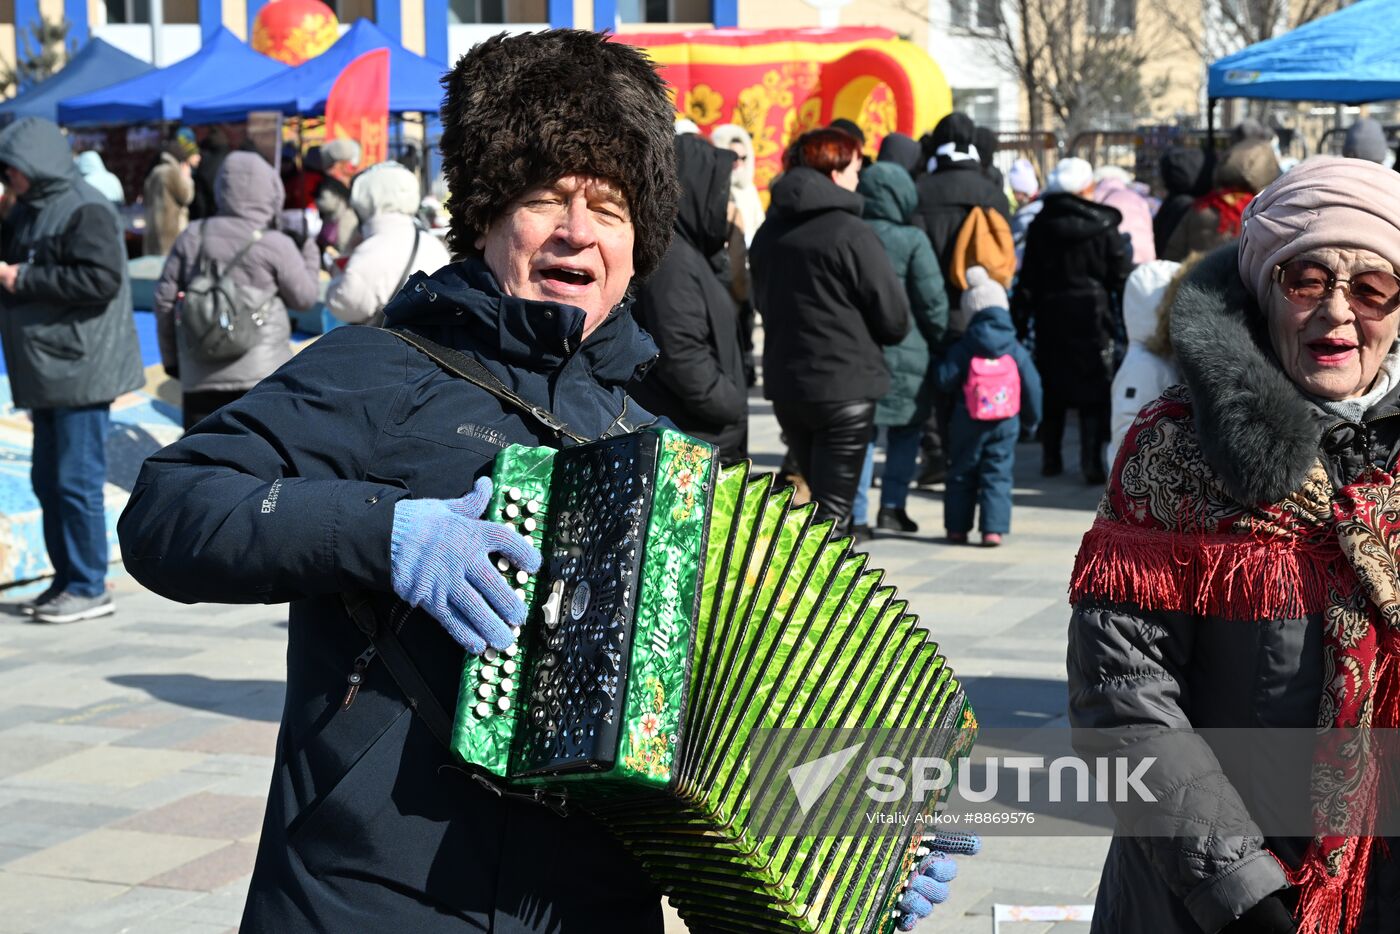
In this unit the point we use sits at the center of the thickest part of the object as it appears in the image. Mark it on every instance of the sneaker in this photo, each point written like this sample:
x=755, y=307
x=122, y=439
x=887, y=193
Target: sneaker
x=895, y=520
x=860, y=534
x=29, y=607
x=991, y=539
x=1052, y=467
x=68, y=607
x=957, y=538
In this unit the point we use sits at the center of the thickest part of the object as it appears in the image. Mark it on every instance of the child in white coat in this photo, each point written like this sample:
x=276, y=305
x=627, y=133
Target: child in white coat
x=1146, y=370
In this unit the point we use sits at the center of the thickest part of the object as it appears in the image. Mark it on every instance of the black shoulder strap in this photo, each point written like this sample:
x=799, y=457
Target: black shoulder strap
x=471, y=370
x=401, y=668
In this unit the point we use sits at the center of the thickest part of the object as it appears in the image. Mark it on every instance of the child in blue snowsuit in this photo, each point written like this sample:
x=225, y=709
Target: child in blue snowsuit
x=981, y=452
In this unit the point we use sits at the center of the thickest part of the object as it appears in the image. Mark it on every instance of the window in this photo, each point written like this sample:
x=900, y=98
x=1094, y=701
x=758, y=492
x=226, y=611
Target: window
x=128, y=11
x=476, y=11
x=977, y=15
x=981, y=104
x=663, y=11
x=497, y=11
x=1112, y=15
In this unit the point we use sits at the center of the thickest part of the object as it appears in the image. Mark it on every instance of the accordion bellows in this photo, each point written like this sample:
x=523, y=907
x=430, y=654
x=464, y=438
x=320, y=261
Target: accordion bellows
x=684, y=615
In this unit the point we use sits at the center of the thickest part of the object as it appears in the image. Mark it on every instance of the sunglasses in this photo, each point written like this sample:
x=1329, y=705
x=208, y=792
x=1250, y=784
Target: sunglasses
x=1372, y=294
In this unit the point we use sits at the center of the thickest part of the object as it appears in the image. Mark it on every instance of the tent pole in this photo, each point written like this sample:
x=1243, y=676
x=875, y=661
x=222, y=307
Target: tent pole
x=1210, y=124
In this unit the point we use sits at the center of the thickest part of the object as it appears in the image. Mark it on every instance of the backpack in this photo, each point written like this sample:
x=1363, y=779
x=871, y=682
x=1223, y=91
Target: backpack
x=985, y=240
x=993, y=388
x=216, y=318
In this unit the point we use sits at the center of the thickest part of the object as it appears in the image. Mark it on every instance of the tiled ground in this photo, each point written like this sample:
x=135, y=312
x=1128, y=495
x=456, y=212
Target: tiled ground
x=135, y=752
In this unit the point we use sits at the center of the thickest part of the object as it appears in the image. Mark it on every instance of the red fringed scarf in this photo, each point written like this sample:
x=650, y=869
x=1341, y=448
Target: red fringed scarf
x=1168, y=537
x=1229, y=206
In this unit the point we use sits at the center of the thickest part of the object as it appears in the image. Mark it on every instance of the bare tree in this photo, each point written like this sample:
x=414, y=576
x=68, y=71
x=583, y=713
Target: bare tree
x=1221, y=27
x=1079, y=62
x=41, y=53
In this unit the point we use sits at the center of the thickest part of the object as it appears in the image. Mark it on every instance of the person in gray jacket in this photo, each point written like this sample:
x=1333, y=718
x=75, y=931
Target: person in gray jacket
x=1241, y=575
x=70, y=349
x=274, y=273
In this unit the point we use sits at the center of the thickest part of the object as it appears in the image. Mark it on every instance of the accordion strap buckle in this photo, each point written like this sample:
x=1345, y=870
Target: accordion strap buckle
x=557, y=803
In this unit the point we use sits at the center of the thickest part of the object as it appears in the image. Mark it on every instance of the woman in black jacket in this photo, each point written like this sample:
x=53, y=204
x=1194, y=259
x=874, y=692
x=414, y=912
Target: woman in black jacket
x=698, y=382
x=829, y=299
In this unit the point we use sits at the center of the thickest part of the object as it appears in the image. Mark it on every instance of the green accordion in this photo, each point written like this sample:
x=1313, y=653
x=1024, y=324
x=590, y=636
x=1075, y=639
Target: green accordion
x=679, y=610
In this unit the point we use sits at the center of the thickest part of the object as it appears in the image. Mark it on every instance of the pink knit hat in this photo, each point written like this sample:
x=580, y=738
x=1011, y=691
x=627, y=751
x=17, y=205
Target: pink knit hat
x=1324, y=201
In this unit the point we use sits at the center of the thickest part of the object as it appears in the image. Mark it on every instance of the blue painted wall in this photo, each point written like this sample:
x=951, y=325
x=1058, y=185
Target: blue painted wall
x=76, y=12
x=561, y=13
x=254, y=7
x=724, y=12
x=389, y=17
x=26, y=15
x=604, y=14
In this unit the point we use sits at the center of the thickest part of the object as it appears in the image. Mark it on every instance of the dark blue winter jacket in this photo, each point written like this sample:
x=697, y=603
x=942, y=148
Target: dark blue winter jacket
x=991, y=334
x=288, y=495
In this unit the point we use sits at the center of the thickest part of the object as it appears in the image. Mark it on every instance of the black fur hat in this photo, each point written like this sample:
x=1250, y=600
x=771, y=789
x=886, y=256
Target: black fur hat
x=524, y=110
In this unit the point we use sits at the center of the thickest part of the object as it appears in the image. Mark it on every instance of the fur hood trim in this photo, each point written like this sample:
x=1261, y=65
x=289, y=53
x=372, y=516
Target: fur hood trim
x=1256, y=429
x=528, y=109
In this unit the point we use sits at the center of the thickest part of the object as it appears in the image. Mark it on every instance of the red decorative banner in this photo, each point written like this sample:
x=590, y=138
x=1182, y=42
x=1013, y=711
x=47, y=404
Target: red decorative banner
x=778, y=83
x=358, y=106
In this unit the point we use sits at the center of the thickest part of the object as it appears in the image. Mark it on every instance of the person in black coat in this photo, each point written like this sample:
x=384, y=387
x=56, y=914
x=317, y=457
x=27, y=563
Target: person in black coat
x=1181, y=168
x=358, y=467
x=1075, y=264
x=698, y=383
x=829, y=299
x=954, y=185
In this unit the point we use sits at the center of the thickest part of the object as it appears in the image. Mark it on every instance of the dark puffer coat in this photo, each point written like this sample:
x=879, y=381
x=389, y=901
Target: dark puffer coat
x=698, y=382
x=946, y=197
x=827, y=293
x=1181, y=168
x=890, y=200
x=1169, y=673
x=288, y=495
x=1076, y=261
x=68, y=333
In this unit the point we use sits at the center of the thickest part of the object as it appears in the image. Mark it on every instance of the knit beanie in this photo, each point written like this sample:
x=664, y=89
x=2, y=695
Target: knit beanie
x=982, y=292
x=524, y=110
x=1070, y=176
x=1365, y=140
x=1022, y=177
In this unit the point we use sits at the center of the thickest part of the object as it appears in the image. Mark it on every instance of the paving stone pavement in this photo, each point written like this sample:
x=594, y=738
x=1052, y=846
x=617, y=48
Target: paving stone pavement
x=135, y=752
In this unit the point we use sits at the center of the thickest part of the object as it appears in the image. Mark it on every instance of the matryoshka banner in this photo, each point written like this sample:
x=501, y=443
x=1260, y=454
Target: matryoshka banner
x=779, y=83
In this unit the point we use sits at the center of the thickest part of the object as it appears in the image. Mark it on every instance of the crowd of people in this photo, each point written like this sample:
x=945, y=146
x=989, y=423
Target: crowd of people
x=1228, y=349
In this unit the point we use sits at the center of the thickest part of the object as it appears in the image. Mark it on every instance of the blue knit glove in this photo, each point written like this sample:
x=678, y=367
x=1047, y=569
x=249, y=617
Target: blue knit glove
x=928, y=886
x=440, y=561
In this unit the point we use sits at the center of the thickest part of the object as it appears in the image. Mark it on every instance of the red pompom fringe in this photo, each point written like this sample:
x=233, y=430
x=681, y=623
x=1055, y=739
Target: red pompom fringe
x=1231, y=576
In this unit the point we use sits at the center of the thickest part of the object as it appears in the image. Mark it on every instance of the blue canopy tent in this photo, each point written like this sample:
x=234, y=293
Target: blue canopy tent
x=98, y=65
x=1348, y=57
x=413, y=82
x=223, y=63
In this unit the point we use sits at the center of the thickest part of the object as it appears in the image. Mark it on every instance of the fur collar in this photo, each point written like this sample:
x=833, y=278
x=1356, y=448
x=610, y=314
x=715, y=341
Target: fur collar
x=1255, y=428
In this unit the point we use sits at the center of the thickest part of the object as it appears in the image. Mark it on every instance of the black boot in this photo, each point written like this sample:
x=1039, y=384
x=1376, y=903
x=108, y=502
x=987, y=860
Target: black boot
x=1051, y=465
x=895, y=520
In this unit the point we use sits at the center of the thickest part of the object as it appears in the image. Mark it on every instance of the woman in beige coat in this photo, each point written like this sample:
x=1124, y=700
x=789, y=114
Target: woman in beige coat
x=167, y=194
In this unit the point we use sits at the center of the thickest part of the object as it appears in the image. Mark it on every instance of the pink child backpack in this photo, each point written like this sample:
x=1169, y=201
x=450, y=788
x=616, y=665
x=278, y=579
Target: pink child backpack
x=993, y=388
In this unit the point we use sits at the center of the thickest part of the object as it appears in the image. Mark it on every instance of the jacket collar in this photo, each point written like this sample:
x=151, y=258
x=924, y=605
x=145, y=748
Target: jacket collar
x=542, y=336
x=1255, y=428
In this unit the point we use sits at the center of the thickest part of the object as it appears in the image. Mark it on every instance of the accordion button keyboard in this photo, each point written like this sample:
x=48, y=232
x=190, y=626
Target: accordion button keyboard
x=484, y=709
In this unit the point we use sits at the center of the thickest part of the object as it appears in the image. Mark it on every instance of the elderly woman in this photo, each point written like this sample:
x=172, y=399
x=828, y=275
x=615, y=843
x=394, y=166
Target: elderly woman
x=362, y=467
x=1241, y=575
